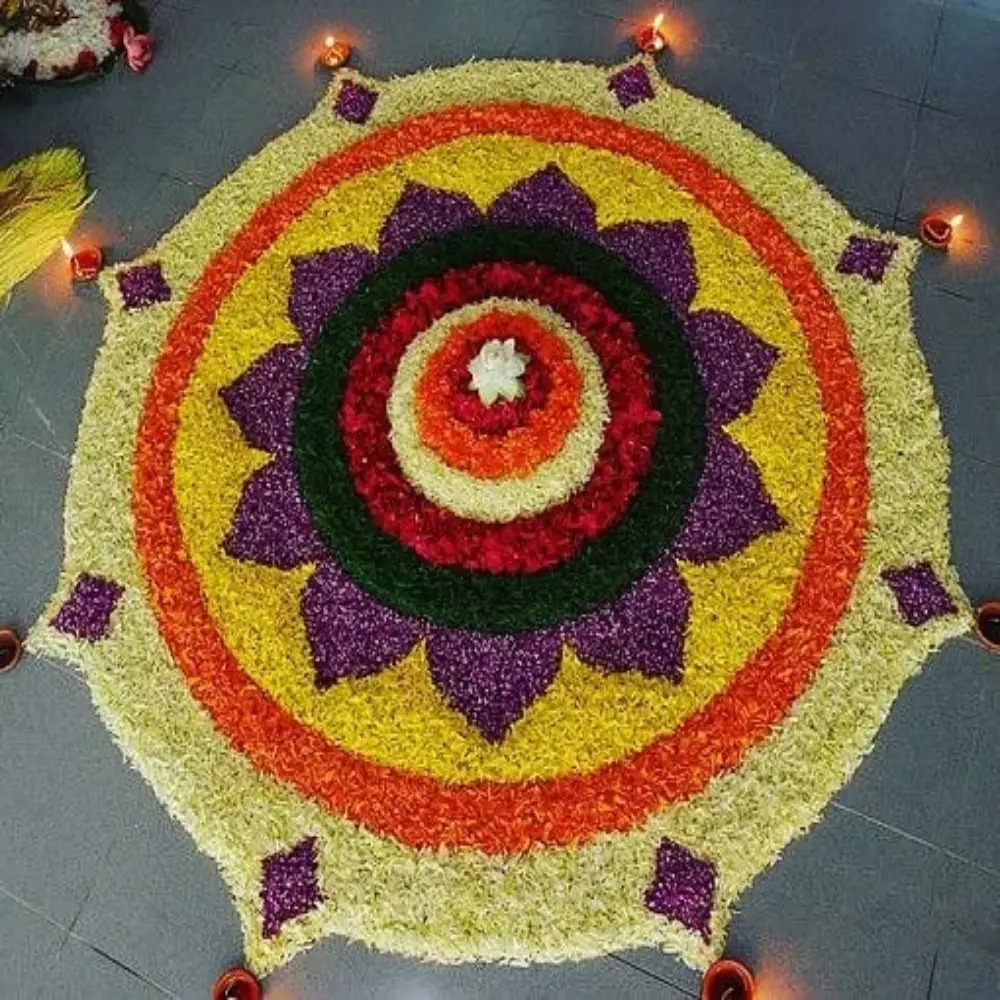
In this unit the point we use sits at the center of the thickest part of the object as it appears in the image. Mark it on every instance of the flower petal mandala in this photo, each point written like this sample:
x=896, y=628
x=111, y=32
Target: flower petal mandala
x=502, y=474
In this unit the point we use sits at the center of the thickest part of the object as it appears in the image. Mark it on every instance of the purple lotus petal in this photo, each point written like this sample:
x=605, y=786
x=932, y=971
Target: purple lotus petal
x=350, y=633
x=661, y=253
x=262, y=399
x=733, y=362
x=547, y=198
x=919, y=593
x=644, y=630
x=493, y=679
x=731, y=507
x=422, y=212
x=271, y=525
x=683, y=887
x=289, y=885
x=321, y=282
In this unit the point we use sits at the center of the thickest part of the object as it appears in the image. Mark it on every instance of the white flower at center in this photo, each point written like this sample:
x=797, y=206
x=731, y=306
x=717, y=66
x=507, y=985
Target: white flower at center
x=496, y=371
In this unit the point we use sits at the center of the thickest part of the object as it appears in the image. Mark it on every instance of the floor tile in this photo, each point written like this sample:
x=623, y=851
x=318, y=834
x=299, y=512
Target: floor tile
x=954, y=166
x=593, y=38
x=884, y=45
x=964, y=77
x=961, y=342
x=975, y=500
x=30, y=948
x=762, y=28
x=915, y=777
x=744, y=86
x=160, y=906
x=347, y=971
x=967, y=914
x=977, y=837
x=31, y=515
x=64, y=800
x=821, y=923
x=962, y=970
x=853, y=141
x=80, y=971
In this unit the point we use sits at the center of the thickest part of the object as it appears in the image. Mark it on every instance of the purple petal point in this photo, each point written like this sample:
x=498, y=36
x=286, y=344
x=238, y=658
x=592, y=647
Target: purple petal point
x=262, y=400
x=143, y=285
x=869, y=258
x=731, y=507
x=920, y=595
x=493, y=679
x=271, y=525
x=87, y=611
x=733, y=362
x=661, y=254
x=644, y=630
x=321, y=282
x=350, y=634
x=355, y=102
x=423, y=212
x=289, y=885
x=683, y=887
x=546, y=198
x=631, y=85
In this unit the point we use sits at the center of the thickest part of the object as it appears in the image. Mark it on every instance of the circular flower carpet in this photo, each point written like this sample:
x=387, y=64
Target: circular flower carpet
x=504, y=511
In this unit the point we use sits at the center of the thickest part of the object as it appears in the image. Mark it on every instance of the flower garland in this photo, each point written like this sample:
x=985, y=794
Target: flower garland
x=531, y=731
x=91, y=31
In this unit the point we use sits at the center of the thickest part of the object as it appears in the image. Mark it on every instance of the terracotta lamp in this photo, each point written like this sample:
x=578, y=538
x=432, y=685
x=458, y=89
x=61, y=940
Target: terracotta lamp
x=987, y=625
x=650, y=38
x=85, y=262
x=237, y=984
x=335, y=53
x=727, y=979
x=937, y=231
x=10, y=649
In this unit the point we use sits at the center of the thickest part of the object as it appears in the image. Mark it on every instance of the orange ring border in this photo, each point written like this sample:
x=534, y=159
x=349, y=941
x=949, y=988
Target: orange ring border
x=518, y=452
x=500, y=817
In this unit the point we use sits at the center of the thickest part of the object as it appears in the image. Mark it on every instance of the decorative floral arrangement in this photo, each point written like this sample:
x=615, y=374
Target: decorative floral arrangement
x=46, y=39
x=505, y=510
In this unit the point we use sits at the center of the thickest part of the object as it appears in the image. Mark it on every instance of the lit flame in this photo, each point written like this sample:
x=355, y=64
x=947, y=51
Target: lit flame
x=956, y=220
x=67, y=248
x=329, y=41
x=657, y=23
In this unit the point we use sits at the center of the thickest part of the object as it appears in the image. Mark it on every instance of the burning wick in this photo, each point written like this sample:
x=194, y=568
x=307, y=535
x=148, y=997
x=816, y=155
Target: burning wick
x=334, y=53
x=937, y=231
x=651, y=38
x=84, y=264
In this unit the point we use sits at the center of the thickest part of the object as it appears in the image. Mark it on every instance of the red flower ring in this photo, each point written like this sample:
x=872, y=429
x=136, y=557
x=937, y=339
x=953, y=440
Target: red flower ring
x=525, y=545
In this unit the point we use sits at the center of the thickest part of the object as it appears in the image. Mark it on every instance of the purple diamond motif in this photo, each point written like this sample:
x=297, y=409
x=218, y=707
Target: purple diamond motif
x=919, y=593
x=355, y=103
x=143, y=285
x=683, y=888
x=290, y=885
x=866, y=257
x=88, y=609
x=631, y=85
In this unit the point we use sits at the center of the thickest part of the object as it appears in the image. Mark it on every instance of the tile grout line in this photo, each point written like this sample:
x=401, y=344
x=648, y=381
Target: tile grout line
x=123, y=966
x=32, y=909
x=985, y=869
x=652, y=975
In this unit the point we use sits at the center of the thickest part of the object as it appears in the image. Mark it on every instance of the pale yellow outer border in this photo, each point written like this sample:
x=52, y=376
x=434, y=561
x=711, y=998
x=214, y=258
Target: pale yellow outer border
x=552, y=904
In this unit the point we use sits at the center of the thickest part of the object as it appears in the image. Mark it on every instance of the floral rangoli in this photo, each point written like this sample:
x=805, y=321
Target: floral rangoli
x=504, y=511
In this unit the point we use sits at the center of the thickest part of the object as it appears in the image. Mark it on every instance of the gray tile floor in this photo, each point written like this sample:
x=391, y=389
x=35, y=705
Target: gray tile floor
x=891, y=103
